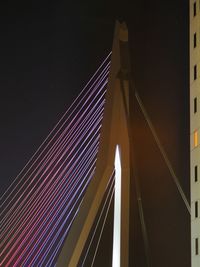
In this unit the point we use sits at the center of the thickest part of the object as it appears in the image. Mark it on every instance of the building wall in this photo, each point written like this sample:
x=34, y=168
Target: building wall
x=195, y=129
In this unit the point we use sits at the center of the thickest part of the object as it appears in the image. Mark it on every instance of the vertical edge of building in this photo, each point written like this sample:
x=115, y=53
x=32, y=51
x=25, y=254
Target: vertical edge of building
x=195, y=130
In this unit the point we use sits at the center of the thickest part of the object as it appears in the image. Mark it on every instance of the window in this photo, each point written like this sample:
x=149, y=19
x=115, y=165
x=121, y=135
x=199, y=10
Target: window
x=195, y=40
x=194, y=9
x=195, y=72
x=195, y=105
x=195, y=139
x=196, y=209
x=196, y=173
x=196, y=246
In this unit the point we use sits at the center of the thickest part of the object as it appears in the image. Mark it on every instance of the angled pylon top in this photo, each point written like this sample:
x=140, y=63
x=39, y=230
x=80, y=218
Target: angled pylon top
x=123, y=32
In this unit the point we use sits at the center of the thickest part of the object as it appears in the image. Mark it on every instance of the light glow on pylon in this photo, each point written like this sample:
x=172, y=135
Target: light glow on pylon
x=117, y=212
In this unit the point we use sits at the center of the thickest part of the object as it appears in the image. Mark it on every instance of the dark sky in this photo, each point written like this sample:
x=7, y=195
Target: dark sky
x=48, y=51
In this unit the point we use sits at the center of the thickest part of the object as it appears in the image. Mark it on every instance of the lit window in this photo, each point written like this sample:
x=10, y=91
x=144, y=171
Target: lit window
x=194, y=9
x=196, y=173
x=195, y=40
x=195, y=139
x=196, y=246
x=196, y=209
x=195, y=105
x=195, y=72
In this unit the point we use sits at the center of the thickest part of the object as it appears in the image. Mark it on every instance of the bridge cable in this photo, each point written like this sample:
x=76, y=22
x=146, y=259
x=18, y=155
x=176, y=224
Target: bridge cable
x=45, y=163
x=110, y=184
x=101, y=75
x=103, y=225
x=16, y=211
x=76, y=99
x=163, y=153
x=46, y=242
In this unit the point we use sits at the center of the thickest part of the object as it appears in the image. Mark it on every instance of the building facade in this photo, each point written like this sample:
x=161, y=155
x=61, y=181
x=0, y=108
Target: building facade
x=195, y=130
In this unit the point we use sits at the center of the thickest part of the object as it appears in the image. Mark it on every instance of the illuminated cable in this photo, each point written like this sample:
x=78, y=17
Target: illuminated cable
x=82, y=168
x=78, y=197
x=13, y=238
x=96, y=87
x=35, y=185
x=53, y=150
x=52, y=132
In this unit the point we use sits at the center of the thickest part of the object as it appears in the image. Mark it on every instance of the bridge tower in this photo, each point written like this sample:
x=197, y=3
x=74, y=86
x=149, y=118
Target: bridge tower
x=114, y=149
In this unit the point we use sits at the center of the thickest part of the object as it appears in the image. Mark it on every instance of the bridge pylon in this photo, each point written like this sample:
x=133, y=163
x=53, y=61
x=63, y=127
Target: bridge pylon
x=115, y=132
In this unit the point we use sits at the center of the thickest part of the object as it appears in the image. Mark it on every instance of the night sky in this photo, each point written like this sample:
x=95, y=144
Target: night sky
x=48, y=51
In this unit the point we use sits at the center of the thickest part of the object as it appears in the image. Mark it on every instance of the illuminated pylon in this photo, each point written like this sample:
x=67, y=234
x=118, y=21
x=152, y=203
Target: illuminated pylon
x=114, y=135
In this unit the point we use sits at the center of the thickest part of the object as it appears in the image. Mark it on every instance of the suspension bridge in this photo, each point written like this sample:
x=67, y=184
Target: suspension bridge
x=52, y=212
